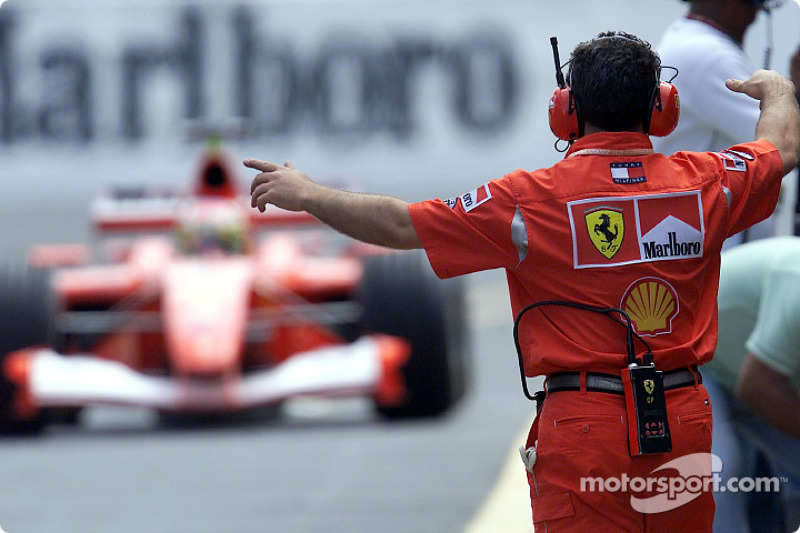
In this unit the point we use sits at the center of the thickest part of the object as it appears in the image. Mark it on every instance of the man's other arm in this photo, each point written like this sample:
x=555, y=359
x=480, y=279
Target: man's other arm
x=770, y=395
x=779, y=122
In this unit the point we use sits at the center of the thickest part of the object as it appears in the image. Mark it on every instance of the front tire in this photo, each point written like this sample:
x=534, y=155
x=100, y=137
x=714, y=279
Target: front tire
x=26, y=320
x=401, y=296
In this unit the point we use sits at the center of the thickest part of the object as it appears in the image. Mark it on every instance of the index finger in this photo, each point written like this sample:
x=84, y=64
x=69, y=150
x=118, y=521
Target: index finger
x=258, y=164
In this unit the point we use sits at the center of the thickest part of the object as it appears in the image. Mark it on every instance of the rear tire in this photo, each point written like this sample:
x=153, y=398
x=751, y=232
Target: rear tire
x=401, y=296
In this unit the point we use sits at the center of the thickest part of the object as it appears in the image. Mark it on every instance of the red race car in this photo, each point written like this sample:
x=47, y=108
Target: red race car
x=201, y=306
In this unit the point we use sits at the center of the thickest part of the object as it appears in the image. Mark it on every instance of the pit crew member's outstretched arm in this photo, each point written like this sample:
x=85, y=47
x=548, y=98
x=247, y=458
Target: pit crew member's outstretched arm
x=370, y=218
x=779, y=122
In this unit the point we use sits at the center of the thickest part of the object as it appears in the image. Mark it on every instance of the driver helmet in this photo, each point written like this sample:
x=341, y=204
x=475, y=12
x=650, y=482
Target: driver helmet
x=213, y=226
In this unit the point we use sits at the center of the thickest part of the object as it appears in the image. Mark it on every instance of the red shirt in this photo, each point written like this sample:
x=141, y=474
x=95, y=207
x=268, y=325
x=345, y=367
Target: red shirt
x=612, y=225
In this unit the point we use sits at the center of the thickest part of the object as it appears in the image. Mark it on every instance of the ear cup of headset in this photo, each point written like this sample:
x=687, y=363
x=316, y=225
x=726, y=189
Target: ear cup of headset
x=665, y=110
x=563, y=115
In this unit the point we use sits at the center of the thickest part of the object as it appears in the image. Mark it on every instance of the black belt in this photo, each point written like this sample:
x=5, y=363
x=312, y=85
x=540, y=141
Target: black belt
x=595, y=382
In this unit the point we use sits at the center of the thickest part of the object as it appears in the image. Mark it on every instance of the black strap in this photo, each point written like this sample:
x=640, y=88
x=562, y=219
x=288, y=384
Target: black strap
x=617, y=315
x=609, y=383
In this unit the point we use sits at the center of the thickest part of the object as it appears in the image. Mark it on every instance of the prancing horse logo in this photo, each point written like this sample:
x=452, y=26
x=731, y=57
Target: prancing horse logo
x=606, y=229
x=649, y=386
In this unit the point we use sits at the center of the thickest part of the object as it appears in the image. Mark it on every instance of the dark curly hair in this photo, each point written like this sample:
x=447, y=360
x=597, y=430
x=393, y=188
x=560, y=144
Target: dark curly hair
x=613, y=78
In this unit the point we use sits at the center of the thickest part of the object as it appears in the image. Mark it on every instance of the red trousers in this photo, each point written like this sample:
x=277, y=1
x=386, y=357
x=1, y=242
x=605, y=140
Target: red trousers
x=584, y=478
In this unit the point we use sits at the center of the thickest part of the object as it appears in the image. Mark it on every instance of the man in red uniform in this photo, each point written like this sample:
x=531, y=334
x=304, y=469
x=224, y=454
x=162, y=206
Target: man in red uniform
x=613, y=225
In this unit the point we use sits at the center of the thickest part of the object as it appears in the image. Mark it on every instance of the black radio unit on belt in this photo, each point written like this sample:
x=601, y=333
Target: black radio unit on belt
x=642, y=384
x=646, y=407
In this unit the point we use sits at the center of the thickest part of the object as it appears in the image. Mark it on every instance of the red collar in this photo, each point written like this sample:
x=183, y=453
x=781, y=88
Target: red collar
x=612, y=142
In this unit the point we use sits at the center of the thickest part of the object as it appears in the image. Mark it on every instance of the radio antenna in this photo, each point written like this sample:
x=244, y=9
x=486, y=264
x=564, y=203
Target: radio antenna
x=559, y=75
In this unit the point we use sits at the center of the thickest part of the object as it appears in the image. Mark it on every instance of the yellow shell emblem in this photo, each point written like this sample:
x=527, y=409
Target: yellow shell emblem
x=651, y=303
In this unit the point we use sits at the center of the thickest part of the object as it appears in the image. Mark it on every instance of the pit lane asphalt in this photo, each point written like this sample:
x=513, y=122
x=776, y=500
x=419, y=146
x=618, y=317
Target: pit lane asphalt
x=324, y=466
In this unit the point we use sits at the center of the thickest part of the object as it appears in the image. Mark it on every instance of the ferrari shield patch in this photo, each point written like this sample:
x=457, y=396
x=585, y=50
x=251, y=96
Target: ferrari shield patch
x=606, y=229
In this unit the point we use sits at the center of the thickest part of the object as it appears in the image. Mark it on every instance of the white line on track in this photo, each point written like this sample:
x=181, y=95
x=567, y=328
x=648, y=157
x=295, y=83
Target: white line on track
x=507, y=507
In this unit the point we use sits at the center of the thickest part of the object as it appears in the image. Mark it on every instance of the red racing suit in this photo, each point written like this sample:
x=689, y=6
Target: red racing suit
x=612, y=225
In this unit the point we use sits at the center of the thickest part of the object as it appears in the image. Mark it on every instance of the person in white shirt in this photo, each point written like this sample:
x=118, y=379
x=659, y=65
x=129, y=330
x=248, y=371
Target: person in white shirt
x=706, y=48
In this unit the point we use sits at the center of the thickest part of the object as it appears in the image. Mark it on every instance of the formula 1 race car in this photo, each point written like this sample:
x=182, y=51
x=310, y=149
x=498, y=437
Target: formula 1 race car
x=194, y=304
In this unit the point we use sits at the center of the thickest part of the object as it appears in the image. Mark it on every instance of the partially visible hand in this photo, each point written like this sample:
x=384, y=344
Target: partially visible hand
x=779, y=120
x=283, y=186
x=762, y=84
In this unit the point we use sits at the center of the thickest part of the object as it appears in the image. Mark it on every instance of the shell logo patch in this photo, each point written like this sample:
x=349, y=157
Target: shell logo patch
x=652, y=304
x=606, y=229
